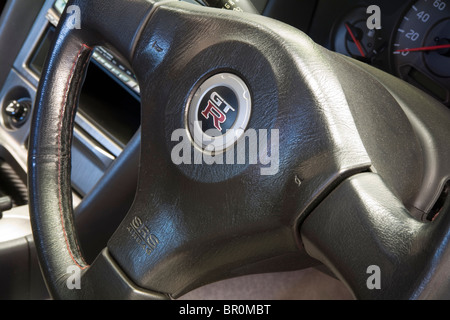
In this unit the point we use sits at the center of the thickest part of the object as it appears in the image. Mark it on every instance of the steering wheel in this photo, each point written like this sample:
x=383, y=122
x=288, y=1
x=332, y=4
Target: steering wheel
x=347, y=156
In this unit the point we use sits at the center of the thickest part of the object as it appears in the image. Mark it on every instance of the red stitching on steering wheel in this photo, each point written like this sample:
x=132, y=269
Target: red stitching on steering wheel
x=61, y=115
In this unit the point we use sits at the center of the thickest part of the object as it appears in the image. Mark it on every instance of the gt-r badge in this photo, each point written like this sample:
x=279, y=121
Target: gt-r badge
x=219, y=112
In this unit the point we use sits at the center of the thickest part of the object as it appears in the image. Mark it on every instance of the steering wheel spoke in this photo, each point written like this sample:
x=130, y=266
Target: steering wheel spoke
x=91, y=284
x=180, y=234
x=366, y=236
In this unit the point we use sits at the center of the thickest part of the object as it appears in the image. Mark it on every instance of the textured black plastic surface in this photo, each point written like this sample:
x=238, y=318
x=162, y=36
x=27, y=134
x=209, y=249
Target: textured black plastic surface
x=429, y=120
x=240, y=216
x=361, y=224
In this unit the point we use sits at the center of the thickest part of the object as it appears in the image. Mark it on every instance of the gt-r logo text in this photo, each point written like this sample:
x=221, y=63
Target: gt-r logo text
x=218, y=109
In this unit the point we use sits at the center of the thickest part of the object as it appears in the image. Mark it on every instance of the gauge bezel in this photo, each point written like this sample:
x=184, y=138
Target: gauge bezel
x=421, y=65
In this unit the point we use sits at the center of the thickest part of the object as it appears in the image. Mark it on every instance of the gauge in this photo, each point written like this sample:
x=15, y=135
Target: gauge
x=421, y=47
x=352, y=37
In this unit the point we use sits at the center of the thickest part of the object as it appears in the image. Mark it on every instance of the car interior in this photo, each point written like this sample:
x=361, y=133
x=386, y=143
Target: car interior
x=353, y=94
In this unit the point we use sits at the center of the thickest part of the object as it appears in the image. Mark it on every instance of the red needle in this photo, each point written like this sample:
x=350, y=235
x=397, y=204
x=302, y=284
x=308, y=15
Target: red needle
x=431, y=48
x=358, y=44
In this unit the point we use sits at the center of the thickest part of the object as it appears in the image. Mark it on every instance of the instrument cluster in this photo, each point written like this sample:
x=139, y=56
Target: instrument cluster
x=410, y=39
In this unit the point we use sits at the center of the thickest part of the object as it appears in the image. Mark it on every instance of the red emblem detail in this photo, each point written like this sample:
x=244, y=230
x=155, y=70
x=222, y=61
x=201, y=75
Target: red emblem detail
x=218, y=116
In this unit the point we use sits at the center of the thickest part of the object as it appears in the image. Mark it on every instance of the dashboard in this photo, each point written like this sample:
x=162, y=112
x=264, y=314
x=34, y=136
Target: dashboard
x=409, y=39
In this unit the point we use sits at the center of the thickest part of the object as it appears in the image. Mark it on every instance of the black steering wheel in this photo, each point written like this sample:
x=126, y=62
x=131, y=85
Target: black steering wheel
x=260, y=151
